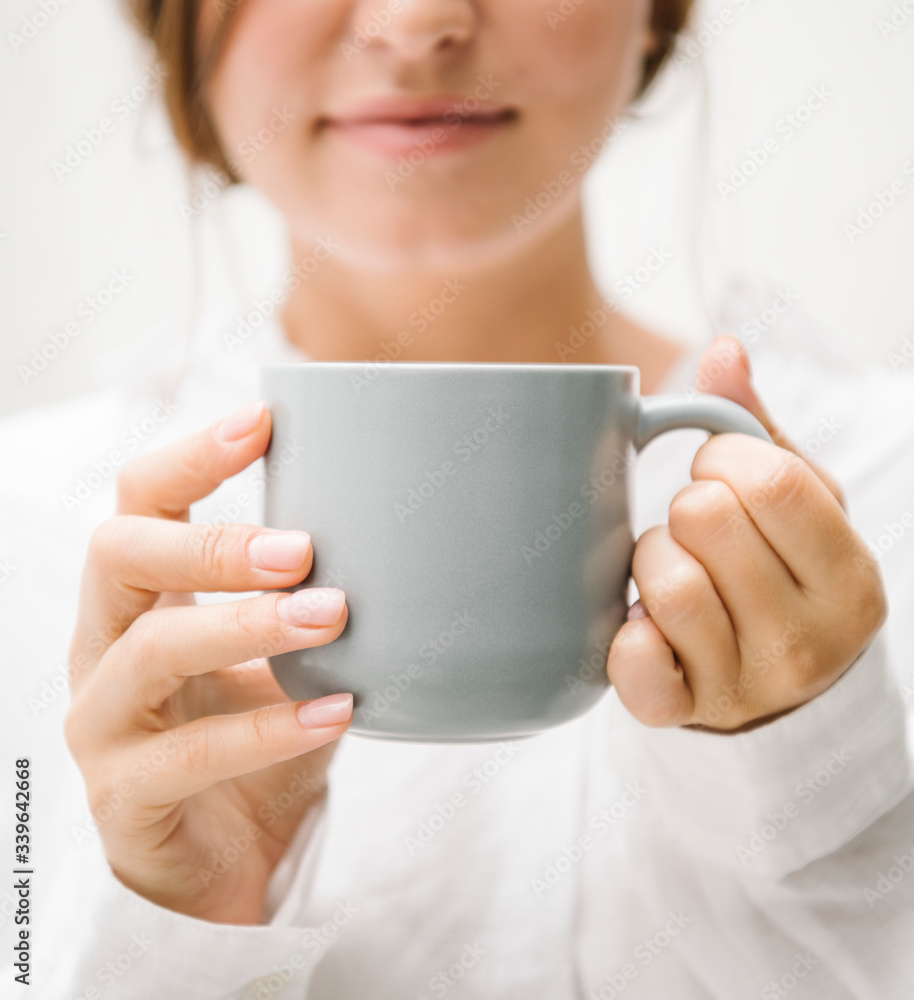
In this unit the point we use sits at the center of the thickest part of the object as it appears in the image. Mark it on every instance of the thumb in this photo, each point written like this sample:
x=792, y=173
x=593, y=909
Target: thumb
x=724, y=370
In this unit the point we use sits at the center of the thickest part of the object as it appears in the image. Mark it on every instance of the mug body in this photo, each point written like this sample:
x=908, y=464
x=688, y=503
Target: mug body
x=478, y=518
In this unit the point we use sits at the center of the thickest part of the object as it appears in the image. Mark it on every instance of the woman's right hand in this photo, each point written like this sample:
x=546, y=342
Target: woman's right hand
x=197, y=766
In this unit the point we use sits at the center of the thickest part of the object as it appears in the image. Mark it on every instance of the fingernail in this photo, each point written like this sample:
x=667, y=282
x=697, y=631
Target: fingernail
x=240, y=422
x=279, y=550
x=329, y=711
x=637, y=610
x=312, y=606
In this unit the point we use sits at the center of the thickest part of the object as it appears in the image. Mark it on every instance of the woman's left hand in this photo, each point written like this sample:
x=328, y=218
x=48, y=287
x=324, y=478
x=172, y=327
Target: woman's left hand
x=759, y=593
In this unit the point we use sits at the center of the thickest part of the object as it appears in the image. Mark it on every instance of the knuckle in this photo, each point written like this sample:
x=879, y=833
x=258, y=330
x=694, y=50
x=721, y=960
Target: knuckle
x=708, y=511
x=245, y=621
x=209, y=545
x=678, y=592
x=197, y=749
x=263, y=729
x=872, y=606
x=808, y=666
x=107, y=540
x=143, y=632
x=786, y=485
x=146, y=643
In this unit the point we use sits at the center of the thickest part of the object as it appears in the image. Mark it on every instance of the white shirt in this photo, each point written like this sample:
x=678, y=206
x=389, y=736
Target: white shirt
x=600, y=859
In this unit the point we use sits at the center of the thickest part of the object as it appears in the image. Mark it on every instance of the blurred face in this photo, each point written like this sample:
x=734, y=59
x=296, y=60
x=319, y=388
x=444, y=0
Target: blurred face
x=423, y=133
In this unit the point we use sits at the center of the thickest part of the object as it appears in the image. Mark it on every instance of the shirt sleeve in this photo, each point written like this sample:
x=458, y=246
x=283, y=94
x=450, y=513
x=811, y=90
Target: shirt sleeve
x=772, y=800
x=117, y=945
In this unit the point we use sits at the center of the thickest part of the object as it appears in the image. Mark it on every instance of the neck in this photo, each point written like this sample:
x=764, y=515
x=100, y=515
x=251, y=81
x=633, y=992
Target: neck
x=526, y=308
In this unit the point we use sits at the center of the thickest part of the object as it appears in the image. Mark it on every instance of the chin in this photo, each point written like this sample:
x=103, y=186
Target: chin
x=398, y=244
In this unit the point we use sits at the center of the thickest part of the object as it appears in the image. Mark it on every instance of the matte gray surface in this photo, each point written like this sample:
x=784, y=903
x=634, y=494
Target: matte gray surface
x=478, y=518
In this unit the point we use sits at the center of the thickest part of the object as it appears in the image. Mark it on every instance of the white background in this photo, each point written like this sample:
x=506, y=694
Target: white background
x=62, y=237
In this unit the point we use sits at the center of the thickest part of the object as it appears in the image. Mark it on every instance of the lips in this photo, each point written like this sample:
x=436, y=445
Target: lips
x=393, y=126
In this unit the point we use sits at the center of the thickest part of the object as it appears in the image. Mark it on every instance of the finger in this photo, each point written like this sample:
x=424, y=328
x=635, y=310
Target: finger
x=164, y=483
x=795, y=511
x=688, y=612
x=650, y=683
x=219, y=748
x=753, y=583
x=725, y=370
x=132, y=560
x=167, y=646
x=227, y=690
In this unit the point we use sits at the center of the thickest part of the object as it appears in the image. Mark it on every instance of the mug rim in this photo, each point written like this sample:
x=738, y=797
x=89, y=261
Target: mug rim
x=449, y=366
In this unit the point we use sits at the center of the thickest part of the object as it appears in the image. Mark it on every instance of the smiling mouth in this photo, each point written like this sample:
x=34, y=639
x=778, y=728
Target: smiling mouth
x=453, y=118
x=396, y=127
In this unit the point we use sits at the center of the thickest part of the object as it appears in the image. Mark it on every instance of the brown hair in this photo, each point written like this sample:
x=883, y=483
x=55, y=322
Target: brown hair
x=172, y=27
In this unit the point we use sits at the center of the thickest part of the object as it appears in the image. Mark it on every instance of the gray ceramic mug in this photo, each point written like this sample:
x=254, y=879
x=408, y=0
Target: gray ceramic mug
x=478, y=517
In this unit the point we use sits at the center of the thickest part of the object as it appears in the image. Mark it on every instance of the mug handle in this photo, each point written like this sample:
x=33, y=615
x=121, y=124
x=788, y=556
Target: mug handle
x=658, y=414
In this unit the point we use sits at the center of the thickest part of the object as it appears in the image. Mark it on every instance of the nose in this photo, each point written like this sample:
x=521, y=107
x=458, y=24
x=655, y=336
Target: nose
x=416, y=28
